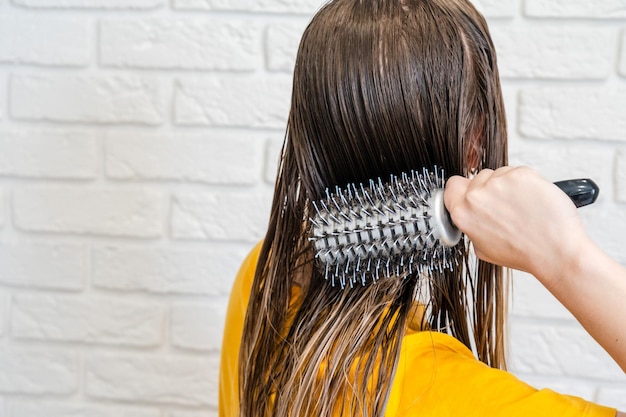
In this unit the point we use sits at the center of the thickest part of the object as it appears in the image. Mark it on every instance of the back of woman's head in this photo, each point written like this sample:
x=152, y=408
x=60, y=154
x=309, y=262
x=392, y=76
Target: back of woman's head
x=380, y=87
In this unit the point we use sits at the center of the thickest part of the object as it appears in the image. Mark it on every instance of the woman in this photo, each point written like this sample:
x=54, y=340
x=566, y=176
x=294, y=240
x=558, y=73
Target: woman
x=380, y=87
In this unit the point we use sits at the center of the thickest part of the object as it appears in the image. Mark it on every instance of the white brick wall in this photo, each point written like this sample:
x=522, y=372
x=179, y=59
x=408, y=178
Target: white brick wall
x=211, y=157
x=498, y=8
x=605, y=9
x=90, y=4
x=58, y=266
x=271, y=6
x=284, y=38
x=189, y=333
x=4, y=307
x=160, y=379
x=45, y=41
x=554, y=52
x=620, y=176
x=574, y=112
x=77, y=318
x=178, y=43
x=245, y=101
x=623, y=54
x=38, y=371
x=2, y=207
x=133, y=212
x=3, y=96
x=208, y=270
x=87, y=99
x=223, y=215
x=138, y=146
x=62, y=154
x=54, y=409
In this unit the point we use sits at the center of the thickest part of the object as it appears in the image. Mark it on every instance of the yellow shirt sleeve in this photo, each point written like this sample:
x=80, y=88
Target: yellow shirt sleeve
x=436, y=376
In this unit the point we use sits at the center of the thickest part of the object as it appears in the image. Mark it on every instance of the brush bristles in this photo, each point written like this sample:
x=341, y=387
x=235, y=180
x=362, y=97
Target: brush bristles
x=364, y=233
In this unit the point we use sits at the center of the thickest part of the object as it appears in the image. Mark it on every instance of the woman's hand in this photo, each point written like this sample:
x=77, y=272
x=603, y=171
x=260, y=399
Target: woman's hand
x=517, y=219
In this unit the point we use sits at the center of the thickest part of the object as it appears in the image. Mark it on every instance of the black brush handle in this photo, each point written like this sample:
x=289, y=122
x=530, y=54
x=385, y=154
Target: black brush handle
x=582, y=191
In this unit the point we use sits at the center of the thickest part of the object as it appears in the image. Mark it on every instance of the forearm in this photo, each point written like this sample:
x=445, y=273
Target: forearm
x=592, y=286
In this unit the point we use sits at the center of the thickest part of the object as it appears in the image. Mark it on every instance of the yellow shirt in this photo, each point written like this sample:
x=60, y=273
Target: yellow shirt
x=437, y=375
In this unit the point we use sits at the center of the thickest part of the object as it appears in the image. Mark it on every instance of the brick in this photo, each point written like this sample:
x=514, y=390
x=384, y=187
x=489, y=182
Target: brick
x=87, y=99
x=58, y=266
x=207, y=271
x=558, y=349
x=4, y=310
x=228, y=215
x=497, y=8
x=620, y=176
x=45, y=41
x=282, y=40
x=40, y=408
x=38, y=371
x=573, y=113
x=198, y=326
x=555, y=52
x=3, y=96
x=622, y=65
x=214, y=158
x=176, y=380
x=233, y=100
x=575, y=8
x=180, y=44
x=263, y=6
x=82, y=210
x=91, y=4
x=3, y=204
x=87, y=319
x=49, y=154
x=531, y=299
x=272, y=158
x=612, y=396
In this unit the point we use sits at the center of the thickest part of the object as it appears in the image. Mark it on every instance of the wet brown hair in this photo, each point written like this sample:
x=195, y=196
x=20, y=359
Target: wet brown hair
x=380, y=87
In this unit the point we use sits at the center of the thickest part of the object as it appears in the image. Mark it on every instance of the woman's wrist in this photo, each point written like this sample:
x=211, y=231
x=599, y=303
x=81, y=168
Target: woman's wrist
x=569, y=261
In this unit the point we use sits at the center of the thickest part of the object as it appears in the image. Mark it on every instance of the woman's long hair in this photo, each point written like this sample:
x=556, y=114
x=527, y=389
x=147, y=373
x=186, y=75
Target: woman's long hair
x=380, y=87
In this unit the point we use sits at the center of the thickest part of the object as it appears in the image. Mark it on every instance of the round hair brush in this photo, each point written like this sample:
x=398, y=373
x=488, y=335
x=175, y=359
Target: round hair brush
x=362, y=233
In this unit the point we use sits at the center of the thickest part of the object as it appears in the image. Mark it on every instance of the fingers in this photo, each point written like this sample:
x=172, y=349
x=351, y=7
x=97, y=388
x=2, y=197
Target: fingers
x=512, y=216
x=459, y=190
x=458, y=196
x=478, y=207
x=456, y=188
x=505, y=170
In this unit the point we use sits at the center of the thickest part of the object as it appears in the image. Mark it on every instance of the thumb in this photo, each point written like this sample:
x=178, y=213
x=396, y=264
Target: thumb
x=456, y=188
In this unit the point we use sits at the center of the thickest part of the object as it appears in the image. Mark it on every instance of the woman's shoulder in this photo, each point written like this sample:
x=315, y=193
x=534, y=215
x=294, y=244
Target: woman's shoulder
x=423, y=342
x=439, y=375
